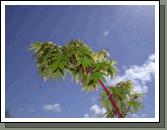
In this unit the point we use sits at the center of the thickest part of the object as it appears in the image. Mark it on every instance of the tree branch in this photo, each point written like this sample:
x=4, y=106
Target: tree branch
x=113, y=102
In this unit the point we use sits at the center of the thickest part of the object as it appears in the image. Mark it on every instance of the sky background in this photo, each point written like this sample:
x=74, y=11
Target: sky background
x=126, y=31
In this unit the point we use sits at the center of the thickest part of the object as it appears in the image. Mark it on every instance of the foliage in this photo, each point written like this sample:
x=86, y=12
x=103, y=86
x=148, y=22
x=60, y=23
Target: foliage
x=86, y=67
x=53, y=61
x=127, y=100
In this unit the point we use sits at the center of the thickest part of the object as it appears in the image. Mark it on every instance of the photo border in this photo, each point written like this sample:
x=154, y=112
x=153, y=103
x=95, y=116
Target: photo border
x=20, y=3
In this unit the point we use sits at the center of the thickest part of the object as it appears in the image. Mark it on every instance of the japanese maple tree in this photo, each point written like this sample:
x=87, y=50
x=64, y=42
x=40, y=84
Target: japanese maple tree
x=90, y=69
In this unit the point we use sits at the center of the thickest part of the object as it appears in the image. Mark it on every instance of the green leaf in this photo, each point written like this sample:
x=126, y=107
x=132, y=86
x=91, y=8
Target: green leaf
x=135, y=105
x=110, y=114
x=117, y=91
x=87, y=67
x=96, y=76
x=105, y=101
x=35, y=46
x=86, y=61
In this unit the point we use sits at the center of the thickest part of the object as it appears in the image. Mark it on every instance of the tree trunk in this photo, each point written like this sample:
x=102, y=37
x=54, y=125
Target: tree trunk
x=113, y=102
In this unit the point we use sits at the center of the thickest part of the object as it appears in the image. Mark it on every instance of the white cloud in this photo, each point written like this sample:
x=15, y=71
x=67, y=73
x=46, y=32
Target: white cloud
x=96, y=112
x=54, y=107
x=106, y=33
x=139, y=75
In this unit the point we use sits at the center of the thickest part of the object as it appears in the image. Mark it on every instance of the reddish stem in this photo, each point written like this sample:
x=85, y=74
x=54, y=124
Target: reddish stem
x=113, y=102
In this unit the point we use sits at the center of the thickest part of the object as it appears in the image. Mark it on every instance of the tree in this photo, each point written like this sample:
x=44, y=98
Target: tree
x=90, y=69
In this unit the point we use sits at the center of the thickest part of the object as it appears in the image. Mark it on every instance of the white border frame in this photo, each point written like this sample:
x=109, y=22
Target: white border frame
x=155, y=3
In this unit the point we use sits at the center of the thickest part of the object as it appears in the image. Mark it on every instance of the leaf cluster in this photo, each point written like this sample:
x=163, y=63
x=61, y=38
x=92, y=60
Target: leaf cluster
x=76, y=58
x=86, y=67
x=127, y=100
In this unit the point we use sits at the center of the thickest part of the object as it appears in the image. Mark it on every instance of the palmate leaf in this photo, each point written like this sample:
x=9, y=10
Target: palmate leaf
x=135, y=105
x=117, y=92
x=50, y=60
x=106, y=66
x=77, y=44
x=36, y=47
x=77, y=57
x=88, y=83
x=110, y=114
x=100, y=56
x=58, y=67
x=126, y=100
x=86, y=67
x=99, y=66
x=111, y=69
x=86, y=61
x=79, y=49
x=50, y=57
x=105, y=102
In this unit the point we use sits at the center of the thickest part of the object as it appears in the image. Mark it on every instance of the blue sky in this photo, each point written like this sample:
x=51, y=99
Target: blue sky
x=126, y=31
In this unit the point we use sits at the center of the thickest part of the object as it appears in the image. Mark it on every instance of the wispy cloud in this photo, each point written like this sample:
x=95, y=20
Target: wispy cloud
x=140, y=75
x=106, y=33
x=54, y=107
x=95, y=112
